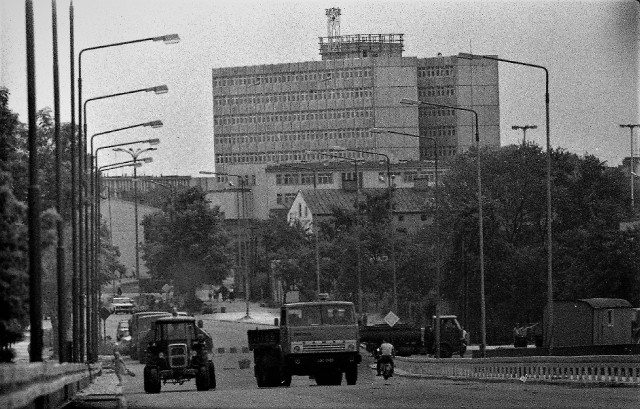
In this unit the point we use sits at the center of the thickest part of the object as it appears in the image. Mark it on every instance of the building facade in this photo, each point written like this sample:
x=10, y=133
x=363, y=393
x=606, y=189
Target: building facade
x=267, y=115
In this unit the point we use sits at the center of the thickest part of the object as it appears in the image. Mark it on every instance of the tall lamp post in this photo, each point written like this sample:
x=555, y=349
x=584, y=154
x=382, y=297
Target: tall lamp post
x=390, y=194
x=96, y=180
x=89, y=230
x=483, y=321
x=83, y=242
x=134, y=156
x=524, y=131
x=437, y=219
x=631, y=164
x=358, y=250
x=246, y=269
x=549, y=207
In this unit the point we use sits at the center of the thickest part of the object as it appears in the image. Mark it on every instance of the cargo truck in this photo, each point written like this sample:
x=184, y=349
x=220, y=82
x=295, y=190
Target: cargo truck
x=319, y=339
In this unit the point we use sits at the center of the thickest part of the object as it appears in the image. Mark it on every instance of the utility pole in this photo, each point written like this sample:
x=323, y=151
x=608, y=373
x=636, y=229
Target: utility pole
x=631, y=164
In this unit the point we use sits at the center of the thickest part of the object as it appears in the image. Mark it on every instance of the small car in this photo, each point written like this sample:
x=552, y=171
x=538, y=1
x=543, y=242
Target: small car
x=122, y=331
x=122, y=305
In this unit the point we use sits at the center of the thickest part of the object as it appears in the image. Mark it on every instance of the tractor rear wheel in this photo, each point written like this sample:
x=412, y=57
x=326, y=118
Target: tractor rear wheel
x=202, y=378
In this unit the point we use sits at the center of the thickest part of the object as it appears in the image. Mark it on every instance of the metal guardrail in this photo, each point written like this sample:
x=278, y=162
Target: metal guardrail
x=42, y=384
x=608, y=369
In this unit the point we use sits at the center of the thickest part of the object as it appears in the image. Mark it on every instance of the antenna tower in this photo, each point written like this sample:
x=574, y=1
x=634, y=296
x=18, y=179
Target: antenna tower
x=333, y=28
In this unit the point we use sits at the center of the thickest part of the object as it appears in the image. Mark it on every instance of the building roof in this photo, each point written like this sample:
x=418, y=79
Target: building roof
x=322, y=201
x=600, y=303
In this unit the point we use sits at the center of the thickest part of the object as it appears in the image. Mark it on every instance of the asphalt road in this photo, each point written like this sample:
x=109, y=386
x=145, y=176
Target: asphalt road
x=236, y=388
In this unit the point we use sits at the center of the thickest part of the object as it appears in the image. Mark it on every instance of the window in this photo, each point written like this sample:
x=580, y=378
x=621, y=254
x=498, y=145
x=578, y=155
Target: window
x=609, y=318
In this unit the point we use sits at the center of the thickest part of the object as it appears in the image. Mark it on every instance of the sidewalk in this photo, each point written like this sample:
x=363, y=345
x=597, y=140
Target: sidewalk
x=236, y=311
x=103, y=392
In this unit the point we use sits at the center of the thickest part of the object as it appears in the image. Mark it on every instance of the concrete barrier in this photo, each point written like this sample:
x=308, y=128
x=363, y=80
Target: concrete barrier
x=42, y=384
x=611, y=369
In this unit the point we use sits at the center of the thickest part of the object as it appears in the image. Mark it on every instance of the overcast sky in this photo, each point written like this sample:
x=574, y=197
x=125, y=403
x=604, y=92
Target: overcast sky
x=589, y=47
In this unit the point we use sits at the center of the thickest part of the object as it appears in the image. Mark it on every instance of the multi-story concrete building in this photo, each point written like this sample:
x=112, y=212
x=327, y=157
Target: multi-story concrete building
x=268, y=115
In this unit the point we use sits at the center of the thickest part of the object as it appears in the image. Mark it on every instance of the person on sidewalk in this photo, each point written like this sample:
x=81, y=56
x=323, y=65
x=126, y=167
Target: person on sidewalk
x=119, y=367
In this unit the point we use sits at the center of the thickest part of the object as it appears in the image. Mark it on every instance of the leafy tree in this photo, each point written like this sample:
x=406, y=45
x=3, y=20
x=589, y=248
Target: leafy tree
x=588, y=204
x=187, y=245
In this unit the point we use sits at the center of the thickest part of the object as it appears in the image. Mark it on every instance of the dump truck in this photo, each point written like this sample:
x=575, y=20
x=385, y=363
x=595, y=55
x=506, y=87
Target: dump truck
x=319, y=339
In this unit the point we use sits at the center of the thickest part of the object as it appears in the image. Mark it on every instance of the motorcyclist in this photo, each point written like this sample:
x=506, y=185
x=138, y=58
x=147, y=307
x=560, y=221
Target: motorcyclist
x=385, y=353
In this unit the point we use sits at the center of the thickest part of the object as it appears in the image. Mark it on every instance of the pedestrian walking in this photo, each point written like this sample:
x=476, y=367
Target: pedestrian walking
x=119, y=367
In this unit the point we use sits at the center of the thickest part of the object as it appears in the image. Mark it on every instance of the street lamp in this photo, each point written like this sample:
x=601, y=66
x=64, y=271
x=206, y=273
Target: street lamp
x=316, y=225
x=390, y=194
x=246, y=270
x=437, y=218
x=134, y=155
x=631, y=164
x=95, y=182
x=89, y=231
x=167, y=39
x=549, y=208
x=358, y=250
x=483, y=326
x=524, y=130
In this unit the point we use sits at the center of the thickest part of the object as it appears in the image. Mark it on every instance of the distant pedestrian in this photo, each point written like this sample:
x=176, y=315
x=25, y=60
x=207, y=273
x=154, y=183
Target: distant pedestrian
x=119, y=367
x=232, y=295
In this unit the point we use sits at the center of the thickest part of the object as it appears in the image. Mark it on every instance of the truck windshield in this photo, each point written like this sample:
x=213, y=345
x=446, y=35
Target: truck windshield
x=175, y=331
x=310, y=315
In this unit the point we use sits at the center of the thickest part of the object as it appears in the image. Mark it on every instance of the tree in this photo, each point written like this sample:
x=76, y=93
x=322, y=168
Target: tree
x=588, y=203
x=187, y=245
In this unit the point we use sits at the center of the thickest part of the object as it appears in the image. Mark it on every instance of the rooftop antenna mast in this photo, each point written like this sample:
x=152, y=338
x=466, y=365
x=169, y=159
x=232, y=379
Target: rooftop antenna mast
x=333, y=28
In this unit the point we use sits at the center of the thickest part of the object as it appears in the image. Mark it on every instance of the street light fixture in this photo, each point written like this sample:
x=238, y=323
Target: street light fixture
x=483, y=326
x=390, y=195
x=437, y=219
x=79, y=349
x=524, y=130
x=631, y=164
x=358, y=250
x=89, y=230
x=134, y=156
x=549, y=207
x=246, y=281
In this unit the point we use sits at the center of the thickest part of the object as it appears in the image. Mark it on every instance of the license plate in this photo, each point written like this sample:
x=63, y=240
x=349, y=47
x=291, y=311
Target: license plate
x=321, y=360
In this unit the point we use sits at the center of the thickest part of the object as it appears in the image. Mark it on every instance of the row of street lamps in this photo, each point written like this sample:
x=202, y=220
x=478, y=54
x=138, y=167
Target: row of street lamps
x=85, y=227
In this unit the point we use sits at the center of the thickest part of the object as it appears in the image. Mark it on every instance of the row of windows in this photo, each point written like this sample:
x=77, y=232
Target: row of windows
x=292, y=77
x=286, y=156
x=293, y=136
x=444, y=130
x=323, y=178
x=428, y=111
x=293, y=116
x=312, y=95
x=443, y=91
x=443, y=151
x=436, y=71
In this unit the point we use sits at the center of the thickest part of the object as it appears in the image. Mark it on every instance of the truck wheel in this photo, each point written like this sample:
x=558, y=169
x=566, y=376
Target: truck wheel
x=151, y=380
x=445, y=351
x=336, y=378
x=351, y=374
x=212, y=376
x=202, y=379
x=286, y=379
x=261, y=376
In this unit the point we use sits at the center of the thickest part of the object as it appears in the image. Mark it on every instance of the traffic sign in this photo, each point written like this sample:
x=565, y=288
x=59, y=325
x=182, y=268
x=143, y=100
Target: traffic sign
x=391, y=319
